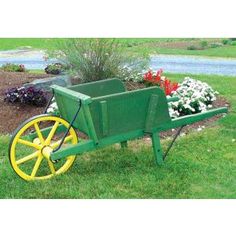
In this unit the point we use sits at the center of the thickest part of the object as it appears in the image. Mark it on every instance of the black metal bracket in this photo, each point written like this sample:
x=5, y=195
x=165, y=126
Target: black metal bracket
x=49, y=103
x=172, y=142
x=68, y=129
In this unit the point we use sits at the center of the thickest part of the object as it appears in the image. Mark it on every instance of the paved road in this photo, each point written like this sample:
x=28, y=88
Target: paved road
x=33, y=59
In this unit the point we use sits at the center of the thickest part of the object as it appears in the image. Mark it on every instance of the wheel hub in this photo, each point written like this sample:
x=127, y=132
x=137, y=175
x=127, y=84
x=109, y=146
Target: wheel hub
x=46, y=151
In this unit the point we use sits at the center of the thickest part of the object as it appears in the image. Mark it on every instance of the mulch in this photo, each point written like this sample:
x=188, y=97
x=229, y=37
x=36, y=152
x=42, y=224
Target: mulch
x=12, y=115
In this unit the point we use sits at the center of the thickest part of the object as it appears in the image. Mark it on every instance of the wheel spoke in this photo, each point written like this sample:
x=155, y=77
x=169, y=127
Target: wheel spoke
x=56, y=144
x=27, y=158
x=51, y=166
x=36, y=166
x=52, y=132
x=27, y=143
x=39, y=133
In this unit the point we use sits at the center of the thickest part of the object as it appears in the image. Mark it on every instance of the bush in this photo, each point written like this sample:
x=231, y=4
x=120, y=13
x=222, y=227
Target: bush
x=96, y=59
x=233, y=43
x=194, y=97
x=29, y=95
x=55, y=68
x=203, y=44
x=226, y=41
x=216, y=45
x=192, y=47
x=9, y=67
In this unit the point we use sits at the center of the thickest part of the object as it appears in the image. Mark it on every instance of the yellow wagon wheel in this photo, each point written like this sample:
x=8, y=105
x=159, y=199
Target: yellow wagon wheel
x=30, y=157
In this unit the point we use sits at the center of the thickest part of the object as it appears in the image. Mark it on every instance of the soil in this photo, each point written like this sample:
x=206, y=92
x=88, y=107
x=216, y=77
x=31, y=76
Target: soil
x=182, y=44
x=12, y=115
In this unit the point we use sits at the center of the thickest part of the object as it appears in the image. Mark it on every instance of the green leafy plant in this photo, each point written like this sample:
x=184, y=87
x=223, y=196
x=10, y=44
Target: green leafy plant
x=29, y=96
x=203, y=44
x=233, y=43
x=226, y=41
x=96, y=59
x=55, y=68
x=216, y=45
x=10, y=67
x=191, y=47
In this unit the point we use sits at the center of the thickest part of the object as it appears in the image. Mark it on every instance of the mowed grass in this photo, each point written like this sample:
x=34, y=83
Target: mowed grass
x=35, y=43
x=52, y=43
x=133, y=45
x=200, y=165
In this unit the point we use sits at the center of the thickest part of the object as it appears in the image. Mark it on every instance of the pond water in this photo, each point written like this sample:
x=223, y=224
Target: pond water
x=194, y=65
x=30, y=58
x=33, y=59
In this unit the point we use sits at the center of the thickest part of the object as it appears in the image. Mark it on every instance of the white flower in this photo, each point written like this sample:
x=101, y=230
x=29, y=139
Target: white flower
x=193, y=96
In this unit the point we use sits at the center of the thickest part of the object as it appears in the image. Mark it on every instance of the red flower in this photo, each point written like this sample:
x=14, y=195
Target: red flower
x=157, y=80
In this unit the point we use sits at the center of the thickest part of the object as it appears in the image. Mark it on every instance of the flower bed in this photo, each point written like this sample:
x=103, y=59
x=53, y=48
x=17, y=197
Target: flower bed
x=151, y=79
x=194, y=97
x=29, y=95
x=10, y=67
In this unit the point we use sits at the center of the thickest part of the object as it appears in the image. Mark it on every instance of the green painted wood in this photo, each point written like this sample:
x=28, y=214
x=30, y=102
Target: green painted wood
x=104, y=117
x=190, y=119
x=72, y=94
x=100, y=88
x=127, y=111
x=78, y=148
x=172, y=99
x=151, y=113
x=68, y=102
x=91, y=130
x=156, y=145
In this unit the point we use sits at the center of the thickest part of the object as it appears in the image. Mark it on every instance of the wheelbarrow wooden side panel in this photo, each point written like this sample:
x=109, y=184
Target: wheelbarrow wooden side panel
x=68, y=99
x=116, y=113
x=100, y=88
x=121, y=113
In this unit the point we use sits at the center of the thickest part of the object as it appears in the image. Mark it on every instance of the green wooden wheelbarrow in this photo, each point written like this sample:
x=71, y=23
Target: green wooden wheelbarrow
x=102, y=110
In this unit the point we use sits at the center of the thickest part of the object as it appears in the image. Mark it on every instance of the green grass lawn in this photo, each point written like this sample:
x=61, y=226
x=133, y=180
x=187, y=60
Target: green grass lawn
x=35, y=43
x=201, y=165
x=227, y=51
x=51, y=43
x=139, y=45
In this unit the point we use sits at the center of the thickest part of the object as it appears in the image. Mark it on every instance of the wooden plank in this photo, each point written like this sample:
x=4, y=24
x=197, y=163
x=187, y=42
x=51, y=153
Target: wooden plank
x=190, y=119
x=151, y=113
x=104, y=117
x=156, y=145
x=89, y=121
x=71, y=94
x=73, y=149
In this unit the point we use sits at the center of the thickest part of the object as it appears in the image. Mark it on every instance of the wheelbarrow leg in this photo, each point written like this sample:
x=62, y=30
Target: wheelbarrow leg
x=156, y=144
x=124, y=144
